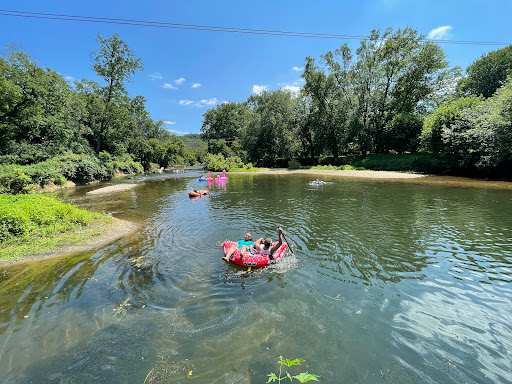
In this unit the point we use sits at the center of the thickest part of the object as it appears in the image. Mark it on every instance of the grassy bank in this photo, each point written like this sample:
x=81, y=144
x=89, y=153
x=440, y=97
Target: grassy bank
x=15, y=178
x=35, y=224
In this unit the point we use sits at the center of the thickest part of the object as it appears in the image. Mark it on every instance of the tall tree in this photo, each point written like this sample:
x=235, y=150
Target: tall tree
x=33, y=100
x=114, y=62
x=487, y=74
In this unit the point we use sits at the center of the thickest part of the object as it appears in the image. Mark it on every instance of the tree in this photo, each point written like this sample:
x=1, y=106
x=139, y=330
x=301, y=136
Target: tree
x=114, y=62
x=394, y=73
x=34, y=123
x=275, y=111
x=487, y=74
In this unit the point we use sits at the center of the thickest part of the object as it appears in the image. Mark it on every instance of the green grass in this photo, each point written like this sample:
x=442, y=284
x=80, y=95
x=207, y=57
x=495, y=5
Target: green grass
x=35, y=224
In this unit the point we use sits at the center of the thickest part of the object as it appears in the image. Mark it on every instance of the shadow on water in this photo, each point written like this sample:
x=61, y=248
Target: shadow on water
x=389, y=282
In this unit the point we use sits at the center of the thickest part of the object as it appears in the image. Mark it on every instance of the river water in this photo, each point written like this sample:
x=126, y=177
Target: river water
x=389, y=282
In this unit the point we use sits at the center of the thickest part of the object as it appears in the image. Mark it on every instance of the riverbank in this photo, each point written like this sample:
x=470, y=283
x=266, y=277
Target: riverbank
x=111, y=189
x=347, y=173
x=96, y=235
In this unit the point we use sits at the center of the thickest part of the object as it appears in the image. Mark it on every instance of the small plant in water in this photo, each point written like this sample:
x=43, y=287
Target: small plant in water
x=302, y=377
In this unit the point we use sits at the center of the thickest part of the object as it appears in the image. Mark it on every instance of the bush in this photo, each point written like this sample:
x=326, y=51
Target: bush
x=153, y=168
x=59, y=180
x=24, y=215
x=13, y=180
x=294, y=164
x=218, y=163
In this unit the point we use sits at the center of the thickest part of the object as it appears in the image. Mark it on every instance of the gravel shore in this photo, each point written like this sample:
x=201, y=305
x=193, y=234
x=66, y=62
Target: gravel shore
x=346, y=173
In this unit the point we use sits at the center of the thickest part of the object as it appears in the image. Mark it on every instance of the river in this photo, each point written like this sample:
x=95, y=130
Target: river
x=390, y=281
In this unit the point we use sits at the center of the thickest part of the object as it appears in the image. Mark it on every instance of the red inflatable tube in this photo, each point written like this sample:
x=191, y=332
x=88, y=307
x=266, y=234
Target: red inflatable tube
x=253, y=260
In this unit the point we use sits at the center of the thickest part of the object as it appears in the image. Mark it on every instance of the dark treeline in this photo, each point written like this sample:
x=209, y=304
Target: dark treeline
x=396, y=94
x=88, y=130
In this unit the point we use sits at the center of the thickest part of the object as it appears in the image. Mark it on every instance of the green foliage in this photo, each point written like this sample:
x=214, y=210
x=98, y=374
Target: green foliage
x=219, y=162
x=487, y=74
x=475, y=132
x=153, y=168
x=301, y=377
x=22, y=216
x=123, y=164
x=13, y=180
x=79, y=168
x=436, y=126
x=294, y=164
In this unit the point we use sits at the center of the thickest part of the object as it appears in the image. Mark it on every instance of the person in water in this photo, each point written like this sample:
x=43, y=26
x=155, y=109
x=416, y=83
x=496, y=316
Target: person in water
x=202, y=191
x=243, y=245
x=264, y=246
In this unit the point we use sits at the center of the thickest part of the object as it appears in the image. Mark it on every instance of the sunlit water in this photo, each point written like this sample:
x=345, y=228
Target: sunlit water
x=388, y=282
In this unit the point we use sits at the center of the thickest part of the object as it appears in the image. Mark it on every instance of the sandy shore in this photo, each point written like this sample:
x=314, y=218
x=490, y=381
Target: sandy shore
x=110, y=232
x=346, y=173
x=112, y=189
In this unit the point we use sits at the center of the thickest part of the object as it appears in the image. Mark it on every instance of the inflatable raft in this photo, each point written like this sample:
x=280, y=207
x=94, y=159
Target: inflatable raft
x=253, y=260
x=198, y=193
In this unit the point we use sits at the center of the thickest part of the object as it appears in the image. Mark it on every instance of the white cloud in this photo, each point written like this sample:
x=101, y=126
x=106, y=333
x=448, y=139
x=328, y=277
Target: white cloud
x=258, y=89
x=293, y=90
x=209, y=101
x=196, y=85
x=440, y=33
x=178, y=133
x=156, y=76
x=69, y=78
x=298, y=69
x=201, y=103
x=168, y=86
x=170, y=122
x=180, y=80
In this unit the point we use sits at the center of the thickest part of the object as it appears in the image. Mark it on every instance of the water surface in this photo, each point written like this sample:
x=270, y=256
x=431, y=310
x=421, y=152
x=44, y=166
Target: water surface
x=389, y=282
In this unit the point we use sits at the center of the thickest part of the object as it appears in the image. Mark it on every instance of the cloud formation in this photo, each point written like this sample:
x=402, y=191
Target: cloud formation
x=295, y=91
x=168, y=86
x=298, y=69
x=180, y=80
x=170, y=122
x=209, y=101
x=178, y=133
x=440, y=33
x=258, y=89
x=201, y=103
x=156, y=76
x=196, y=85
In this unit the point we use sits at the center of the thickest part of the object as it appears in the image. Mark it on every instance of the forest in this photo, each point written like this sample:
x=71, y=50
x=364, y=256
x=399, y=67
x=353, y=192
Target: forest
x=393, y=103
x=53, y=131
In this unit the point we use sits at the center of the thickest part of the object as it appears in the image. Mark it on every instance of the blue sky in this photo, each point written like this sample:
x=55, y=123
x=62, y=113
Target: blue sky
x=186, y=71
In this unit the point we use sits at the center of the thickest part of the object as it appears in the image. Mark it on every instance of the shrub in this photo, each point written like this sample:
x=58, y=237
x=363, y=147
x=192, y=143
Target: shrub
x=41, y=215
x=13, y=180
x=59, y=180
x=153, y=168
x=218, y=162
x=294, y=164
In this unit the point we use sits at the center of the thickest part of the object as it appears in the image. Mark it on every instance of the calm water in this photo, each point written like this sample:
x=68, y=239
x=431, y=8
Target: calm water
x=391, y=282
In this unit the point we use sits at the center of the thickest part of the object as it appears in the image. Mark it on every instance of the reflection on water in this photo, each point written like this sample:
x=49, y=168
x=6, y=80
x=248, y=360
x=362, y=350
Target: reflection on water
x=390, y=282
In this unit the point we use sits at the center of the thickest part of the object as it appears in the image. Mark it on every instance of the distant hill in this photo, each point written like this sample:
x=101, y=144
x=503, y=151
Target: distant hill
x=193, y=141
